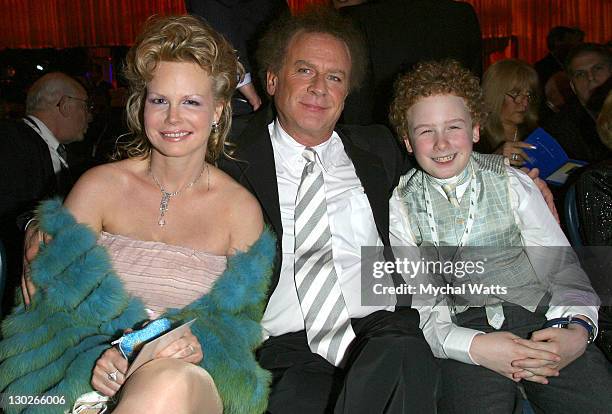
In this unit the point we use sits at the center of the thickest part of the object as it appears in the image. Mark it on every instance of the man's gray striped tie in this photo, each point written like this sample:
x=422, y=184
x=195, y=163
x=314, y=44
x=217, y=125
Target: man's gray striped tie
x=326, y=318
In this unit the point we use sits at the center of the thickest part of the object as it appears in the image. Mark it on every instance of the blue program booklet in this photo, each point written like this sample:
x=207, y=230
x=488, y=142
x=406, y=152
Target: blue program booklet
x=549, y=157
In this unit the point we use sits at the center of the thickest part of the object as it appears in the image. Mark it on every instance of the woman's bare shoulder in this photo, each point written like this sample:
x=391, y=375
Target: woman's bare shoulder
x=106, y=179
x=243, y=212
x=99, y=188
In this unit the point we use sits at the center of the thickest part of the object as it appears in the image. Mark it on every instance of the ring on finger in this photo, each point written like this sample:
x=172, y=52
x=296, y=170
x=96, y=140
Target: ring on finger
x=514, y=157
x=113, y=375
x=191, y=349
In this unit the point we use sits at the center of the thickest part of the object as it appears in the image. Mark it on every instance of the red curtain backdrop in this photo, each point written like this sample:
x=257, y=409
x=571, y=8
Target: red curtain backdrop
x=73, y=23
x=528, y=22
x=95, y=23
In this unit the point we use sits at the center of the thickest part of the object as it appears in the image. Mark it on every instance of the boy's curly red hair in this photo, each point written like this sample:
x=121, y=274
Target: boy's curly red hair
x=445, y=77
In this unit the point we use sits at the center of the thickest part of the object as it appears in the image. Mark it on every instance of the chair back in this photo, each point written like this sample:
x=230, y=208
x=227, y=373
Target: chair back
x=571, y=217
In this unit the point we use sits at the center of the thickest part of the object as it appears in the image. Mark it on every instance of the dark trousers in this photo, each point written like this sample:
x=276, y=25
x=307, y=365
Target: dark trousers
x=584, y=386
x=389, y=369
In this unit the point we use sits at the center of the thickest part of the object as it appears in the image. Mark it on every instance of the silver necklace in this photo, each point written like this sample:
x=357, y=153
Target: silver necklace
x=166, y=196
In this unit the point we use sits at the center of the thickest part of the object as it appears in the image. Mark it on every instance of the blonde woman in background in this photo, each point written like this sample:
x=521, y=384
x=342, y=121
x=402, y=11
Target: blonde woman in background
x=511, y=98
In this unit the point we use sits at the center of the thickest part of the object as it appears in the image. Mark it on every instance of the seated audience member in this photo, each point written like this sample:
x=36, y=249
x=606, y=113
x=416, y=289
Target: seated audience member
x=33, y=161
x=457, y=200
x=588, y=66
x=604, y=121
x=594, y=204
x=163, y=233
x=305, y=169
x=594, y=188
x=511, y=95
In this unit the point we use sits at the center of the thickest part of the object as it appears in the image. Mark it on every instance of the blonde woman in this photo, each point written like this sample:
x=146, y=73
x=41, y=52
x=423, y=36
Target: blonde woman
x=511, y=98
x=184, y=239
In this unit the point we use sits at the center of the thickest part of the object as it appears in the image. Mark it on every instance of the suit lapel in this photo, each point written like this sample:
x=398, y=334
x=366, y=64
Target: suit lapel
x=48, y=176
x=259, y=173
x=370, y=171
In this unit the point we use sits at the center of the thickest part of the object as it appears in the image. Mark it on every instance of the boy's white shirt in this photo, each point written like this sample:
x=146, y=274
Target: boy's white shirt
x=538, y=228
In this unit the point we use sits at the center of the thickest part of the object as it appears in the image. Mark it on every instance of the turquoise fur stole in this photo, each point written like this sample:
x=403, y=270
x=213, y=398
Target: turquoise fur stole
x=80, y=306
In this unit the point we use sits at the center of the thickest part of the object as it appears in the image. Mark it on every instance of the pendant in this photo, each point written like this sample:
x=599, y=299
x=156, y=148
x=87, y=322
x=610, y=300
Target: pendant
x=163, y=207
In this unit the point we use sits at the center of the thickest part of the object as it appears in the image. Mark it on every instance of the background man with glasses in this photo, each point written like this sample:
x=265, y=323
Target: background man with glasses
x=588, y=67
x=33, y=159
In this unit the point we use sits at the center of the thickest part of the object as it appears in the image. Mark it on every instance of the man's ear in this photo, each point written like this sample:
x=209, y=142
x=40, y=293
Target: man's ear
x=271, y=82
x=476, y=133
x=62, y=106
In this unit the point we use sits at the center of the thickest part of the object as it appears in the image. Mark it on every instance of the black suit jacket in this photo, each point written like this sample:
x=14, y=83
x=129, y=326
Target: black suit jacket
x=378, y=159
x=25, y=167
x=400, y=33
x=546, y=67
x=26, y=177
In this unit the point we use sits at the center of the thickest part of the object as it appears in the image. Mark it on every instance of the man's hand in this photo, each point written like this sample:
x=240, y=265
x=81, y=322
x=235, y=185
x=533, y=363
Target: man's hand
x=109, y=372
x=543, y=187
x=497, y=351
x=249, y=92
x=187, y=348
x=32, y=240
x=568, y=343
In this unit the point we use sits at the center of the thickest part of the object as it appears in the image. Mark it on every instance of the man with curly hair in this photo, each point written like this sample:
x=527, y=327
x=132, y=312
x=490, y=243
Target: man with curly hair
x=356, y=358
x=459, y=202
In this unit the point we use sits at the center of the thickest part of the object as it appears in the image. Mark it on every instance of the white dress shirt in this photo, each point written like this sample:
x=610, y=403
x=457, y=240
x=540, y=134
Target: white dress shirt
x=52, y=142
x=350, y=220
x=538, y=228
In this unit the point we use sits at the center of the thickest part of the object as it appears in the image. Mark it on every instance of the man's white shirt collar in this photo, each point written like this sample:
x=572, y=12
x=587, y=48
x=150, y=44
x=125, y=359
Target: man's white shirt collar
x=43, y=131
x=47, y=136
x=330, y=153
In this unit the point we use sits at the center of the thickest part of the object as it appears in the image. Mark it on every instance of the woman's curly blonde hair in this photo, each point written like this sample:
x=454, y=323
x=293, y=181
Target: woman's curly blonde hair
x=179, y=39
x=445, y=77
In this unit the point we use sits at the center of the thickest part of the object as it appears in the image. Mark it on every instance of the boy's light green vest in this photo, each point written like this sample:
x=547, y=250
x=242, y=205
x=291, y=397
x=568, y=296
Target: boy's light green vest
x=494, y=227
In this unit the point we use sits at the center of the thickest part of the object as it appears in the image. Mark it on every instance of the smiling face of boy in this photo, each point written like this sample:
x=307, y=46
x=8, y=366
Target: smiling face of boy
x=441, y=134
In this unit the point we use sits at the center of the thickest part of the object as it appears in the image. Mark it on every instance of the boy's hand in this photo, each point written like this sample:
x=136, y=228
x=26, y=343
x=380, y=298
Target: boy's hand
x=498, y=350
x=568, y=343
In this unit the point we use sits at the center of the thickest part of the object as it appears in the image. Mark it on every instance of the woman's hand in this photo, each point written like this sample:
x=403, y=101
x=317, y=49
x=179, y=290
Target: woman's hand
x=514, y=152
x=109, y=372
x=32, y=240
x=187, y=348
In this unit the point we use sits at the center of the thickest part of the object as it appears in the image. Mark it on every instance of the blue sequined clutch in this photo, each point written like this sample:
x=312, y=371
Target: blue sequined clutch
x=130, y=343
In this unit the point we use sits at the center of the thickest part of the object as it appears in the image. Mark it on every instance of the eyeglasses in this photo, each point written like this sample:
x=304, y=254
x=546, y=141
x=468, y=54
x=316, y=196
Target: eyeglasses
x=595, y=71
x=88, y=104
x=517, y=97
